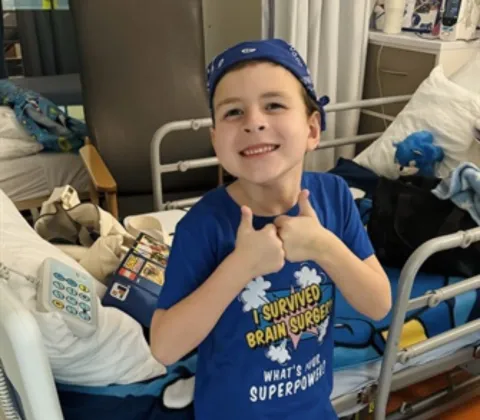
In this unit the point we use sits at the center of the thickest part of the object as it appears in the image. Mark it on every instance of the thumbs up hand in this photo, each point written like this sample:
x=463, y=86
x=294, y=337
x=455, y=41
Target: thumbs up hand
x=260, y=250
x=303, y=236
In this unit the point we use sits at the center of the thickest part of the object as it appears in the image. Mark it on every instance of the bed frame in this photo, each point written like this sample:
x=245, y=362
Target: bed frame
x=25, y=363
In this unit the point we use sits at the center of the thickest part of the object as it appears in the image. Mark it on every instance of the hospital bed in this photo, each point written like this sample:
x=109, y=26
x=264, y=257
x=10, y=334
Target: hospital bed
x=27, y=367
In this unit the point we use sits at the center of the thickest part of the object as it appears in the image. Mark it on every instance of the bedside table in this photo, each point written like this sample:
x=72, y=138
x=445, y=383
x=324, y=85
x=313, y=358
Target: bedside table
x=398, y=64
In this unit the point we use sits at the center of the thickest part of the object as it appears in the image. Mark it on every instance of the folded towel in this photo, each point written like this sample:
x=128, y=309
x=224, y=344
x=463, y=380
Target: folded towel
x=463, y=188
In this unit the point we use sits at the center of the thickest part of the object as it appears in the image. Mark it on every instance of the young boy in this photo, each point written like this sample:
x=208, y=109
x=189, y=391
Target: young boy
x=253, y=268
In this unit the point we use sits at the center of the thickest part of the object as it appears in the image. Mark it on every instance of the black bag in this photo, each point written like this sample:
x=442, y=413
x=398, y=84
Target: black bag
x=405, y=214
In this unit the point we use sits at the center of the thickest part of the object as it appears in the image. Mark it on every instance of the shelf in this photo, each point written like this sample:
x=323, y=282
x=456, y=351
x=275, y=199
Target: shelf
x=419, y=42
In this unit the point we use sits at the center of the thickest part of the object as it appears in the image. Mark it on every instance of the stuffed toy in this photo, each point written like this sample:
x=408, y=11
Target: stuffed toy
x=417, y=155
x=476, y=130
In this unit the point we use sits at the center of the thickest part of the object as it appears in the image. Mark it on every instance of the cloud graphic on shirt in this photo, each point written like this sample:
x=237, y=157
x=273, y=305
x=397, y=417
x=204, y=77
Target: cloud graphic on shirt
x=279, y=353
x=255, y=294
x=308, y=276
x=322, y=329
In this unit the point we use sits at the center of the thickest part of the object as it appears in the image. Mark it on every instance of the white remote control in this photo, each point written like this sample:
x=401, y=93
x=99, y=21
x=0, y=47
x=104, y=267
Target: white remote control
x=69, y=292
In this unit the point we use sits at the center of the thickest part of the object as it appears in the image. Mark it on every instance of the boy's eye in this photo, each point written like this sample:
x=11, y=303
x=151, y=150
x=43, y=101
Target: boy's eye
x=274, y=105
x=232, y=113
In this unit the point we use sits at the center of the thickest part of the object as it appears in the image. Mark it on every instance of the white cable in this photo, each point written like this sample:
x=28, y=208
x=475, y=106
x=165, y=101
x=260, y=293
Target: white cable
x=379, y=82
x=5, y=274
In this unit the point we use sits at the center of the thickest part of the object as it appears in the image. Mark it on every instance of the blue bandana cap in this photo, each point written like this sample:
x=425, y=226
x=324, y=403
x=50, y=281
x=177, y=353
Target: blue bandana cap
x=274, y=50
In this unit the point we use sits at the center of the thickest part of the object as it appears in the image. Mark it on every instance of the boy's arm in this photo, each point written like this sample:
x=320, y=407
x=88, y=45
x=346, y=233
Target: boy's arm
x=363, y=283
x=189, y=306
x=351, y=263
x=177, y=331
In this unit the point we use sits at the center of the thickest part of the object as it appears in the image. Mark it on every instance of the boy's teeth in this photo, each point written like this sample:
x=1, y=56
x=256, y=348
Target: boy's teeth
x=258, y=150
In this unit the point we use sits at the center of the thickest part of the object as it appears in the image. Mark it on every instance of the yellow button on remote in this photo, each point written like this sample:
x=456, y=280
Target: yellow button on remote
x=58, y=304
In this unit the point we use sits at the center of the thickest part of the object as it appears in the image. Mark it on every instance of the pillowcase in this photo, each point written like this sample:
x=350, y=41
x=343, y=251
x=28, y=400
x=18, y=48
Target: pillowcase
x=15, y=141
x=117, y=353
x=468, y=76
x=441, y=106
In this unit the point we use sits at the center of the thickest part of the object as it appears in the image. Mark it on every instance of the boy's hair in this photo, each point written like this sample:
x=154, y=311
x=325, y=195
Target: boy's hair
x=310, y=105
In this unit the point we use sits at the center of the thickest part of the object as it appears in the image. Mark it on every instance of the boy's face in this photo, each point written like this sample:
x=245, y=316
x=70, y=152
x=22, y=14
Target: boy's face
x=262, y=130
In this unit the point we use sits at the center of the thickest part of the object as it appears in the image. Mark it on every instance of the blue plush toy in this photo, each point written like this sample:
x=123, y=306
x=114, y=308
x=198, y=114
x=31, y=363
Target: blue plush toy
x=417, y=155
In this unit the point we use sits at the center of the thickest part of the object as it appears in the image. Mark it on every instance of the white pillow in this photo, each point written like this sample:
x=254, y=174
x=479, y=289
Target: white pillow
x=15, y=141
x=439, y=105
x=468, y=76
x=116, y=354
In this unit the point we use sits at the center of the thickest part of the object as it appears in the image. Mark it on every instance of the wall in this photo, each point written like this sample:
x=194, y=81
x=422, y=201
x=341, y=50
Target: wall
x=227, y=22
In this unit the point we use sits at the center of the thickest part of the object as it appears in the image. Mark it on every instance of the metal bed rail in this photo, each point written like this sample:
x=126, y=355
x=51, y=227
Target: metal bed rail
x=402, y=305
x=158, y=168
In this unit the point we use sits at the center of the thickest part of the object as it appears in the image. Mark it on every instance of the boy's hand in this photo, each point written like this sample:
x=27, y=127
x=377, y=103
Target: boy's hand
x=303, y=236
x=260, y=250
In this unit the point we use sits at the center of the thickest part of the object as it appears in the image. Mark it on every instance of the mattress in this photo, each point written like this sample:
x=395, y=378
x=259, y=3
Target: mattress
x=36, y=176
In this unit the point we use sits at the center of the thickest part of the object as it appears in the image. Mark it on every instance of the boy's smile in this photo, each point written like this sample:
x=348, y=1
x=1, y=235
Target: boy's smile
x=258, y=150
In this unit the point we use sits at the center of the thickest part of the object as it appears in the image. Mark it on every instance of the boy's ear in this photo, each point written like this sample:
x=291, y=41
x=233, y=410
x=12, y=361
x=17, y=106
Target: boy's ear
x=314, y=130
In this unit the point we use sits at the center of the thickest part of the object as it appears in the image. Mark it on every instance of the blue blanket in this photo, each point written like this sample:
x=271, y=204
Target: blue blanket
x=45, y=121
x=169, y=397
x=463, y=188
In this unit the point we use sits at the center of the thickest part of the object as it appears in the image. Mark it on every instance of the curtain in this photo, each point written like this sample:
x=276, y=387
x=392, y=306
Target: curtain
x=46, y=37
x=332, y=36
x=3, y=69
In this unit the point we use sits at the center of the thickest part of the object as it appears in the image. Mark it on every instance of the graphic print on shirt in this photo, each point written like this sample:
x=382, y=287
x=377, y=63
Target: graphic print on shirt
x=281, y=322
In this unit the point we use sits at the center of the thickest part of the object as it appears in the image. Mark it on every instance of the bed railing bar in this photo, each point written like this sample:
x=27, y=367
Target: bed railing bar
x=465, y=391
x=366, y=103
x=439, y=340
x=181, y=204
x=416, y=374
x=345, y=141
x=434, y=297
x=185, y=165
x=407, y=276
x=407, y=377
x=378, y=115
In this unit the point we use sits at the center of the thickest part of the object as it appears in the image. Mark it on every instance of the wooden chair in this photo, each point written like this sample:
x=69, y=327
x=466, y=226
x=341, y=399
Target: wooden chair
x=101, y=180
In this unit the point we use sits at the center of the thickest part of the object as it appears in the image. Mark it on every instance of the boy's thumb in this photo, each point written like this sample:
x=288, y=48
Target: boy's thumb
x=305, y=208
x=246, y=219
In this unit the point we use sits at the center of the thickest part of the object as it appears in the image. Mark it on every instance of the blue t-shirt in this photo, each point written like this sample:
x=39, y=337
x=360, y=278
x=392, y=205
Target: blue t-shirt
x=270, y=354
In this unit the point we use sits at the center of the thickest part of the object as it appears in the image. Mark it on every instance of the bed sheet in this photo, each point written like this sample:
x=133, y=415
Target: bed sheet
x=36, y=176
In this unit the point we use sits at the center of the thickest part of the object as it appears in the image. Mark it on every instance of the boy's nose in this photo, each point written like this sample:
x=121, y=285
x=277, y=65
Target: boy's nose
x=254, y=120
x=252, y=128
